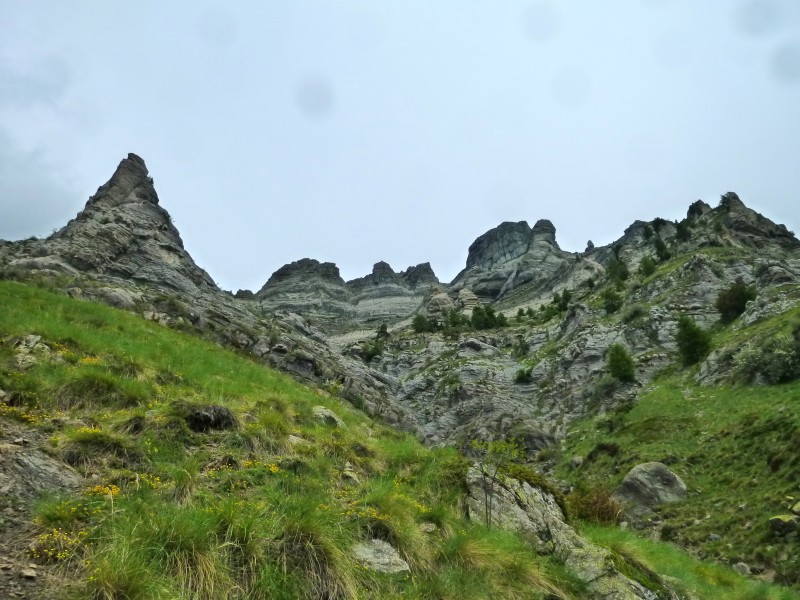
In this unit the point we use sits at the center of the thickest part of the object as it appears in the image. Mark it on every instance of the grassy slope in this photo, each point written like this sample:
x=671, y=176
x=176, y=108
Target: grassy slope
x=736, y=448
x=241, y=513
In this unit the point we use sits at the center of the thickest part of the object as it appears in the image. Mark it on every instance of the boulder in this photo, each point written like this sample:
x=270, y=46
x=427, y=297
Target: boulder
x=379, y=556
x=328, y=417
x=783, y=524
x=647, y=485
x=203, y=418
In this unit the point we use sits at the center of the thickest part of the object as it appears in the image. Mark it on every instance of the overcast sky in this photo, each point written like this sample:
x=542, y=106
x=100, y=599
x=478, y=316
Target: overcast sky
x=355, y=131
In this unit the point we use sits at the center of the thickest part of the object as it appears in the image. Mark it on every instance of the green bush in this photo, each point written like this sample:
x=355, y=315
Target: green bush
x=682, y=232
x=775, y=361
x=620, y=363
x=484, y=317
x=662, y=252
x=647, y=266
x=523, y=375
x=617, y=270
x=634, y=312
x=732, y=301
x=370, y=349
x=693, y=341
x=612, y=301
x=421, y=324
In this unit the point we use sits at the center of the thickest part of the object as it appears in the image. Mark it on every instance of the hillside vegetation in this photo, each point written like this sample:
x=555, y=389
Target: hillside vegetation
x=207, y=475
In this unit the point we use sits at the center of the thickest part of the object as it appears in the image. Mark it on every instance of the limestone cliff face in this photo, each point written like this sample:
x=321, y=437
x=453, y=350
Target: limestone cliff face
x=317, y=291
x=510, y=255
x=309, y=288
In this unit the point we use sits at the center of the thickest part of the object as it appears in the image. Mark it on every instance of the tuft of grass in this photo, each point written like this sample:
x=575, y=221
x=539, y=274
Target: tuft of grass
x=92, y=389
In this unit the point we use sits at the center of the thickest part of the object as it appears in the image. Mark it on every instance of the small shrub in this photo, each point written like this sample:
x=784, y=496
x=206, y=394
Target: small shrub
x=620, y=363
x=682, y=232
x=523, y=375
x=521, y=348
x=694, y=342
x=662, y=253
x=370, y=349
x=775, y=361
x=612, y=301
x=647, y=266
x=617, y=270
x=595, y=505
x=634, y=312
x=732, y=301
x=421, y=324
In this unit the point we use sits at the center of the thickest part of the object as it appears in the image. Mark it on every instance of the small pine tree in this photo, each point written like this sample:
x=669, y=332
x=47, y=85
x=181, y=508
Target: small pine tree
x=612, y=301
x=647, y=266
x=693, y=341
x=682, y=232
x=421, y=324
x=617, y=270
x=620, y=363
x=662, y=252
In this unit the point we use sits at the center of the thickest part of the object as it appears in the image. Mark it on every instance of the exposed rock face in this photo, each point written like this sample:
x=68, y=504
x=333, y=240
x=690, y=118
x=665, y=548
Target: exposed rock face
x=125, y=241
x=122, y=232
x=509, y=256
x=316, y=290
x=534, y=513
x=309, y=288
x=648, y=485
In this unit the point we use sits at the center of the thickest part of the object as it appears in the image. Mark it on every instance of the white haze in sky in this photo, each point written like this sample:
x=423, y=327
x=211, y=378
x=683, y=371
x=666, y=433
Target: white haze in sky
x=356, y=131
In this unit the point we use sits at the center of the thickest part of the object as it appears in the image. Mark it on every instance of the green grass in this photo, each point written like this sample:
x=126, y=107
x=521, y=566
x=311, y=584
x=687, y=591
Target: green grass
x=736, y=450
x=239, y=512
x=700, y=578
x=235, y=511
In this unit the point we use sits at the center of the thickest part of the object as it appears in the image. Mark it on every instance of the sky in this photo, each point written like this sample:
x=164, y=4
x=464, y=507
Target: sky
x=357, y=131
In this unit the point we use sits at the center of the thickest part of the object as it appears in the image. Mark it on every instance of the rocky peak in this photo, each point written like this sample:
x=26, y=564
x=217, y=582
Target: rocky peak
x=420, y=275
x=751, y=227
x=382, y=272
x=500, y=245
x=544, y=231
x=122, y=232
x=304, y=270
x=697, y=209
x=130, y=183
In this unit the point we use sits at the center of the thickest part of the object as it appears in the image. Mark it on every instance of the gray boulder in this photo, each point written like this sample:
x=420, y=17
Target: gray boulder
x=380, y=556
x=647, y=485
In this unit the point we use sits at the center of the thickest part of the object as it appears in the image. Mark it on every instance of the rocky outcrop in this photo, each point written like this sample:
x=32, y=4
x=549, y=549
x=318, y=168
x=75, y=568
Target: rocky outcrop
x=315, y=290
x=534, y=513
x=309, y=288
x=509, y=256
x=122, y=232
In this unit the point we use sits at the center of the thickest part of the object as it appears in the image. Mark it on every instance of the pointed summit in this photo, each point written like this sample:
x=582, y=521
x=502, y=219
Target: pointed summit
x=130, y=183
x=123, y=232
